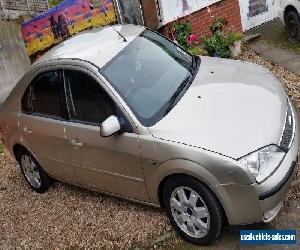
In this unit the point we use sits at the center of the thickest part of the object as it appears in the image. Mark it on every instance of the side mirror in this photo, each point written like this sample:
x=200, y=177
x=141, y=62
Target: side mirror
x=110, y=126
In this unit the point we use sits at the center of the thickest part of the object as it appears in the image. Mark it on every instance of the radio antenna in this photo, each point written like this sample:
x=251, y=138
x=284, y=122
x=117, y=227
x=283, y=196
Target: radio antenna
x=124, y=39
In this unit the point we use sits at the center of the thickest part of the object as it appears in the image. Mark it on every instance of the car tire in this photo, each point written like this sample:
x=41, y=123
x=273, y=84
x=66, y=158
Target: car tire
x=292, y=22
x=33, y=173
x=199, y=223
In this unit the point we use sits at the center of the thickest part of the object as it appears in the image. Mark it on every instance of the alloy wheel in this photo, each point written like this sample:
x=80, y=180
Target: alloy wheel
x=292, y=29
x=31, y=171
x=190, y=212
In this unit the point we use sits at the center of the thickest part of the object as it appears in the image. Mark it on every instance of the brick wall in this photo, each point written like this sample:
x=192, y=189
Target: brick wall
x=202, y=19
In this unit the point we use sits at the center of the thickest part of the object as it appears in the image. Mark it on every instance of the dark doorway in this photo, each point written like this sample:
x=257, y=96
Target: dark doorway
x=130, y=11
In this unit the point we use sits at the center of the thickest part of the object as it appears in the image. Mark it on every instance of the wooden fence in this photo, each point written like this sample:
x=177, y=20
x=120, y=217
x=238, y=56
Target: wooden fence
x=14, y=8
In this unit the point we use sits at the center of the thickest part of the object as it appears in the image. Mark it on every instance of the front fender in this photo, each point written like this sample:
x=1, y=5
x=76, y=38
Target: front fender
x=179, y=166
x=190, y=168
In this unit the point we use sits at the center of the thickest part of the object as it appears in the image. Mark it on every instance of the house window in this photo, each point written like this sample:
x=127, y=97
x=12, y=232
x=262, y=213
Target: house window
x=257, y=7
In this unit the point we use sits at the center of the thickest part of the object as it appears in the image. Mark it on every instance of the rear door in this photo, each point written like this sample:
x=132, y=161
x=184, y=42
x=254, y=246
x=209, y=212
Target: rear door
x=42, y=120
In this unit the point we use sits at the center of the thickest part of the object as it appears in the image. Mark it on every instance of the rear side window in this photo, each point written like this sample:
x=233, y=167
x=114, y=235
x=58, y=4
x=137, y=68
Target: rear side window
x=45, y=95
x=26, y=101
x=89, y=102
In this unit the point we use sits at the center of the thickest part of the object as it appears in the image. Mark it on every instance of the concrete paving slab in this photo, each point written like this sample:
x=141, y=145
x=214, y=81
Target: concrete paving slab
x=293, y=65
x=279, y=55
x=251, y=37
x=260, y=46
x=286, y=58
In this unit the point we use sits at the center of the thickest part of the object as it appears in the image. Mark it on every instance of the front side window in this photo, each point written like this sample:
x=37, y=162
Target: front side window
x=149, y=74
x=45, y=95
x=89, y=102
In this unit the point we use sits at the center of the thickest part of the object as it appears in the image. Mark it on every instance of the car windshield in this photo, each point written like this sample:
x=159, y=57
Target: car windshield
x=150, y=74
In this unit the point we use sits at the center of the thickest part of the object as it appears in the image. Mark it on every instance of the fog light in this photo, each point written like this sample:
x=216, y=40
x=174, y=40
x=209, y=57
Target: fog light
x=270, y=215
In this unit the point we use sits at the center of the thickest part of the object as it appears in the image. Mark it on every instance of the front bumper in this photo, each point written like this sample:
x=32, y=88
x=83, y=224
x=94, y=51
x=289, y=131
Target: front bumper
x=247, y=204
x=273, y=190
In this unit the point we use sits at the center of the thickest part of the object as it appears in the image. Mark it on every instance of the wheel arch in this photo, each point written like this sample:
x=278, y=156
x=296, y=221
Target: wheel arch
x=17, y=147
x=184, y=167
x=164, y=181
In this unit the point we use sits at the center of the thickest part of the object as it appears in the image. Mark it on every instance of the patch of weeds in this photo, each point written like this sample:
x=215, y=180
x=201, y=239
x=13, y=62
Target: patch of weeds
x=197, y=51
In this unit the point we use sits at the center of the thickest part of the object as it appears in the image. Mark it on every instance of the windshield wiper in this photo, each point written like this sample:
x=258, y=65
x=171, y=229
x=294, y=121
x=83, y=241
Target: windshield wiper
x=176, y=94
x=194, y=65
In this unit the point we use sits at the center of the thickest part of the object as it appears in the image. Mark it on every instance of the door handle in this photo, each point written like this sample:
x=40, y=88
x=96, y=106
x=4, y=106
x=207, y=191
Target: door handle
x=75, y=142
x=27, y=130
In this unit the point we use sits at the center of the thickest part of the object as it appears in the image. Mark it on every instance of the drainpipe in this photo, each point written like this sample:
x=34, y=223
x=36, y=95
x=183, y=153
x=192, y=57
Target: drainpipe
x=159, y=12
x=2, y=7
x=142, y=12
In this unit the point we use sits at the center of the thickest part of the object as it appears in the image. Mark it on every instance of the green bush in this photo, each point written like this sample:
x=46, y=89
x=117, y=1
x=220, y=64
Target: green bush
x=181, y=32
x=54, y=2
x=197, y=51
x=219, y=43
x=233, y=37
x=218, y=25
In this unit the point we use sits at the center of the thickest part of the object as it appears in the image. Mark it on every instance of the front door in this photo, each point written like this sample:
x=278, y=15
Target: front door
x=110, y=164
x=257, y=12
x=41, y=123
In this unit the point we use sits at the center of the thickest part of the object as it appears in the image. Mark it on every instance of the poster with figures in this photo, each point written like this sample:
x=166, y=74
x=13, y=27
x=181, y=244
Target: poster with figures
x=257, y=7
x=64, y=20
x=174, y=9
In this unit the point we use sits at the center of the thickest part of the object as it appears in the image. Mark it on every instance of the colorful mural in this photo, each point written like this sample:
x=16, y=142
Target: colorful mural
x=64, y=20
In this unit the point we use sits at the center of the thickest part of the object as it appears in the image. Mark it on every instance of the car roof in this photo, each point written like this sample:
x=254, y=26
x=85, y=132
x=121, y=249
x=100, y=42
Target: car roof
x=97, y=46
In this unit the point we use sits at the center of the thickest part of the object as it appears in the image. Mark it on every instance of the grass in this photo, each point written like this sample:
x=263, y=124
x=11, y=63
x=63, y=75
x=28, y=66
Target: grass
x=53, y=3
x=1, y=148
x=275, y=34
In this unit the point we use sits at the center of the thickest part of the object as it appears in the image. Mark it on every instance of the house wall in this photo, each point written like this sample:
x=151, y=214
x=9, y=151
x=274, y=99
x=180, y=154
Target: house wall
x=14, y=61
x=174, y=9
x=202, y=19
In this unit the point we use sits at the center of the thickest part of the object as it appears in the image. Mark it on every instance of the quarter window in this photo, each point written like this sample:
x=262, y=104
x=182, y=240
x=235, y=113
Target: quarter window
x=88, y=101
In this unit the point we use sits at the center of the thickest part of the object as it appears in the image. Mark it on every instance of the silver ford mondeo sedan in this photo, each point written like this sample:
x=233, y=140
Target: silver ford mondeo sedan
x=123, y=110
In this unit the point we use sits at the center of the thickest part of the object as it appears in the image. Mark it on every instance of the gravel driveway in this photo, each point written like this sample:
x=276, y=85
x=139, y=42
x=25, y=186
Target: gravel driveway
x=70, y=217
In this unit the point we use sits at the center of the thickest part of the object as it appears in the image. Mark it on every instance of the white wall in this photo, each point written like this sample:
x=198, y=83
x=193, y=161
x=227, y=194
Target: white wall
x=250, y=19
x=171, y=10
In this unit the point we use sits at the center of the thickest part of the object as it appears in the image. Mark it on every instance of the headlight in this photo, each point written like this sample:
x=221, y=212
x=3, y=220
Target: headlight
x=263, y=162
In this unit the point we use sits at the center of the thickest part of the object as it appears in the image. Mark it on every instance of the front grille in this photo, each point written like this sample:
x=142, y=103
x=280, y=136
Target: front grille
x=289, y=129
